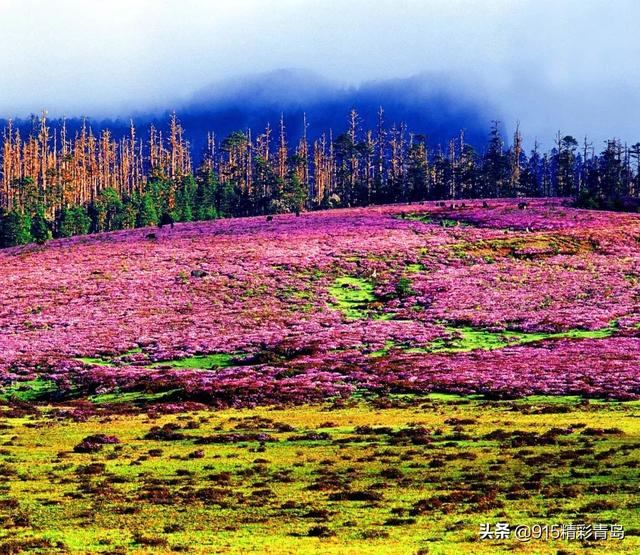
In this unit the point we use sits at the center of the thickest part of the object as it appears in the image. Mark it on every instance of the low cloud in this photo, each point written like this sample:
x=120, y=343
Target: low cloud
x=566, y=64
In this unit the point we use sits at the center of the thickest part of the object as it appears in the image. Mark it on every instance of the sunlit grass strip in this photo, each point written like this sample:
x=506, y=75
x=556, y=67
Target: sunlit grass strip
x=389, y=475
x=466, y=338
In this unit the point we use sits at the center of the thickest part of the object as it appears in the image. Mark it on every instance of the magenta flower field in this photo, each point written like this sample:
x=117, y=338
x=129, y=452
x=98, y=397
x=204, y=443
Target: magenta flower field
x=463, y=298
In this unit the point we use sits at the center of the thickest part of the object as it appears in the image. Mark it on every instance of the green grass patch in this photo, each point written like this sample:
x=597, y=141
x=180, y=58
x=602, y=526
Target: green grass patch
x=356, y=299
x=466, y=338
x=352, y=296
x=204, y=362
x=469, y=339
x=414, y=268
x=433, y=219
x=388, y=345
x=134, y=397
x=28, y=391
x=95, y=361
x=108, y=360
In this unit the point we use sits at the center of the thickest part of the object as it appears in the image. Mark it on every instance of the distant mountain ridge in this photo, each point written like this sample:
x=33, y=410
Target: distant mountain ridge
x=428, y=104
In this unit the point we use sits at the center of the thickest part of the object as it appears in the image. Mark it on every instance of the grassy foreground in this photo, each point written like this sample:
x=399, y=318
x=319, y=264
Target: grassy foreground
x=404, y=474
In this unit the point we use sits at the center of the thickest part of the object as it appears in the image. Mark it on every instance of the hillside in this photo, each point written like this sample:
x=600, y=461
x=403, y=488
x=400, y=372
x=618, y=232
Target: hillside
x=376, y=380
x=418, y=297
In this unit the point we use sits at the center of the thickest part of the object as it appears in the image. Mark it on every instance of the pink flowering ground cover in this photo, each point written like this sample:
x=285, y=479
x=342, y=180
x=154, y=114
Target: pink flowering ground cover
x=456, y=298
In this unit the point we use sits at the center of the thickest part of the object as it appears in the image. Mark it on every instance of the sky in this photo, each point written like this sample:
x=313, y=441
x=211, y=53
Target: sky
x=569, y=65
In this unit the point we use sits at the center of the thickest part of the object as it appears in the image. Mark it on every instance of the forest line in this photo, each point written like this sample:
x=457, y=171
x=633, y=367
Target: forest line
x=56, y=185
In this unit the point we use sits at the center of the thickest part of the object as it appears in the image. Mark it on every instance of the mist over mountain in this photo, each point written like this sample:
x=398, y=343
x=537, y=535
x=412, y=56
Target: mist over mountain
x=428, y=104
x=551, y=65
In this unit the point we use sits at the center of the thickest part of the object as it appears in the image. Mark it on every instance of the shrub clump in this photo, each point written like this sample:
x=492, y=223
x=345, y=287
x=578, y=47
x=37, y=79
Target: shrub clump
x=95, y=443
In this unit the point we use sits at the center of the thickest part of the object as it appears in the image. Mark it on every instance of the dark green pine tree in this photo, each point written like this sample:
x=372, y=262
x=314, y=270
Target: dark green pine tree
x=564, y=160
x=495, y=165
x=107, y=211
x=15, y=229
x=418, y=171
x=295, y=193
x=266, y=185
x=40, y=229
x=147, y=213
x=185, y=199
x=73, y=221
x=206, y=195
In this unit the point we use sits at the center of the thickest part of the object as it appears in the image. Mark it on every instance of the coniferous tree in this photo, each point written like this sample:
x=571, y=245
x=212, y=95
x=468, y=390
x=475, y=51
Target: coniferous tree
x=15, y=229
x=53, y=180
x=564, y=160
x=185, y=199
x=206, y=194
x=495, y=165
x=468, y=178
x=73, y=221
x=418, y=171
x=40, y=230
x=147, y=213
